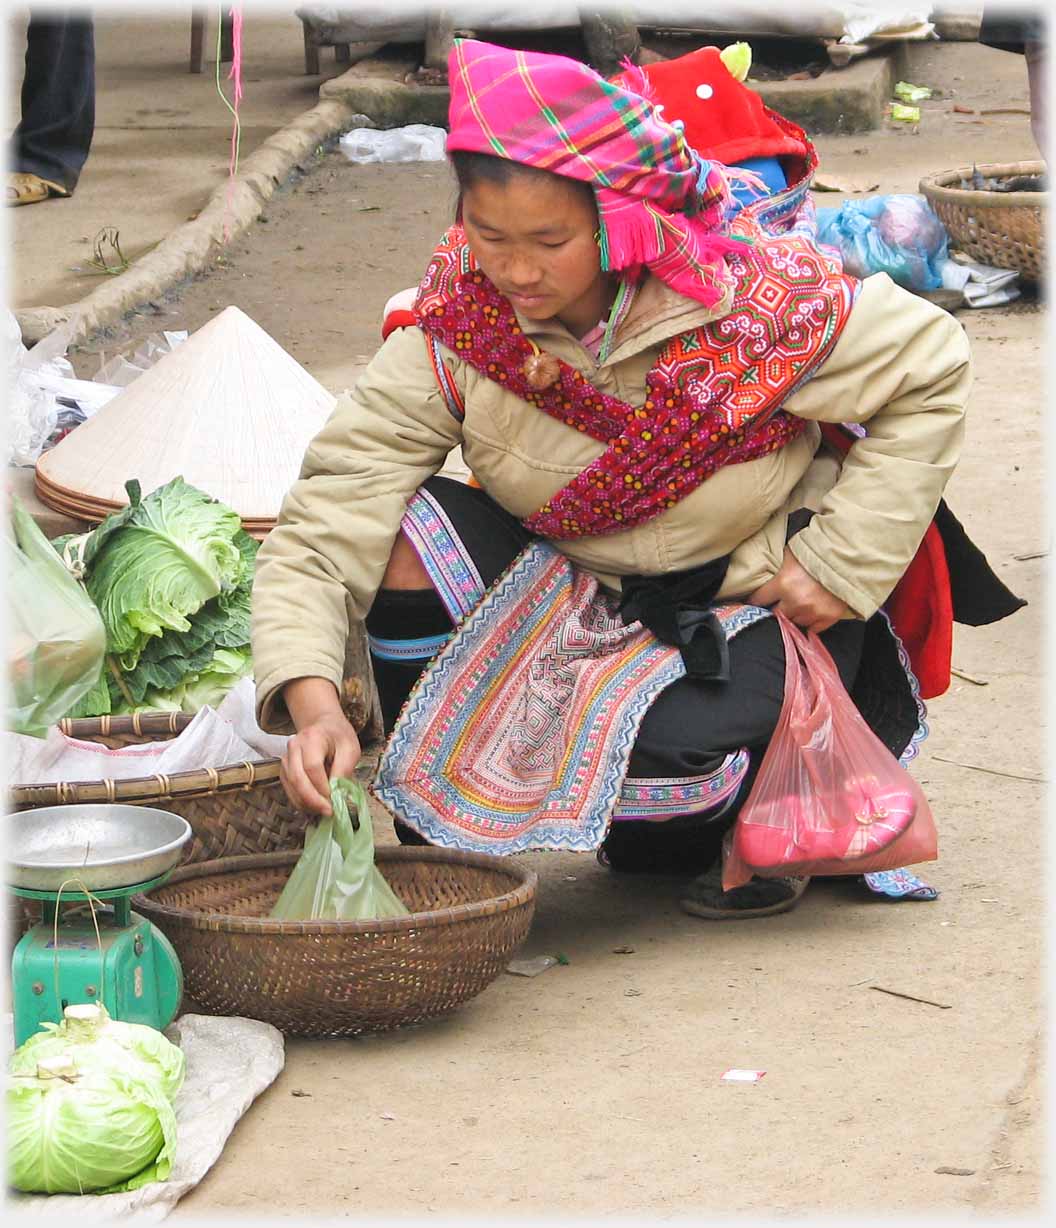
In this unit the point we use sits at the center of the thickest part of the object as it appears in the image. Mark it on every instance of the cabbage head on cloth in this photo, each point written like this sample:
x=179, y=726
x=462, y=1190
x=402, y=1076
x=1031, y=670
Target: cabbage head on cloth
x=89, y=1106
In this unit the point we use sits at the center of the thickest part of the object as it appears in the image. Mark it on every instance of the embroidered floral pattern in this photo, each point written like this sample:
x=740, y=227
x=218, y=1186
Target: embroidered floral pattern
x=714, y=397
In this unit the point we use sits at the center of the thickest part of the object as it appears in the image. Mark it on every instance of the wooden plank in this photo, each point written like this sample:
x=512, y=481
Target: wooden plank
x=439, y=37
x=611, y=37
x=197, y=38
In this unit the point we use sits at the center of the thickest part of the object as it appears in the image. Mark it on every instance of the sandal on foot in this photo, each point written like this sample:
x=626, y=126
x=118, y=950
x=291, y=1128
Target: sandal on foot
x=26, y=189
x=759, y=897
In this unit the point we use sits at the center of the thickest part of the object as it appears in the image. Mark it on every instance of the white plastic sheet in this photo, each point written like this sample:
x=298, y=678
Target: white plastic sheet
x=849, y=21
x=371, y=21
x=44, y=399
x=229, y=734
x=31, y=412
x=413, y=143
x=119, y=372
x=987, y=286
x=229, y=1063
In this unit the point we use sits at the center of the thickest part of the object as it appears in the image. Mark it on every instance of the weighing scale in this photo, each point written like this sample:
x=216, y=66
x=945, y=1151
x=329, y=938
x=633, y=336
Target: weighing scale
x=100, y=856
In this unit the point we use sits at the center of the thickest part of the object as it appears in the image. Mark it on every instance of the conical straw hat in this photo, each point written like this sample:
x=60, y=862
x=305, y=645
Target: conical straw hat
x=228, y=410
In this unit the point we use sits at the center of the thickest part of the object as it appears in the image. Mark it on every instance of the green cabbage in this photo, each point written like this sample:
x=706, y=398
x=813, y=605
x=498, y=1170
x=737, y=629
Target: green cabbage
x=81, y=1130
x=172, y=575
x=209, y=688
x=158, y=561
x=95, y=1041
x=197, y=690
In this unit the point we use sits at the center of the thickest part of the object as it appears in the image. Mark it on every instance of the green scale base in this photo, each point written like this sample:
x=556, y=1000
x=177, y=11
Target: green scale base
x=131, y=967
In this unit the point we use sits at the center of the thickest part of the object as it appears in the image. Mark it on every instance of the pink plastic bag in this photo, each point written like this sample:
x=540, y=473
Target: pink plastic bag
x=830, y=798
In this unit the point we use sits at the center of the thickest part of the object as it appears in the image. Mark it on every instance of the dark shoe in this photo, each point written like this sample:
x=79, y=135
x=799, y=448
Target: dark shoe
x=760, y=897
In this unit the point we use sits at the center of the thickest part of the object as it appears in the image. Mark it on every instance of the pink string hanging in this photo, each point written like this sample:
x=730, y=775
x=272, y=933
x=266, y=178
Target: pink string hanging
x=234, y=75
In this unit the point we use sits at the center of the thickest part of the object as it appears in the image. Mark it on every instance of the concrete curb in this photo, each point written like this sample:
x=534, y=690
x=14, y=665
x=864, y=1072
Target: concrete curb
x=843, y=100
x=191, y=247
x=850, y=99
x=389, y=103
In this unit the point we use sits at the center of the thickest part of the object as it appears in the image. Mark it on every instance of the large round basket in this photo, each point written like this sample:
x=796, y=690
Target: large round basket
x=469, y=913
x=234, y=809
x=1003, y=229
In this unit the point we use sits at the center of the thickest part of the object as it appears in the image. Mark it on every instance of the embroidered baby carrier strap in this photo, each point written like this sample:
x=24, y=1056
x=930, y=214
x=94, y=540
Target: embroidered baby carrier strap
x=713, y=398
x=459, y=308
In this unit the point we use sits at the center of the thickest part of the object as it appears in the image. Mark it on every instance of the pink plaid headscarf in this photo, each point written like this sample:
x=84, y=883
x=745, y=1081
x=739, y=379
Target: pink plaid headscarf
x=660, y=204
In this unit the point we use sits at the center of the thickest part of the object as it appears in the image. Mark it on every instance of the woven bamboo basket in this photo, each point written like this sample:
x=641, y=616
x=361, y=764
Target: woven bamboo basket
x=1004, y=229
x=239, y=808
x=469, y=913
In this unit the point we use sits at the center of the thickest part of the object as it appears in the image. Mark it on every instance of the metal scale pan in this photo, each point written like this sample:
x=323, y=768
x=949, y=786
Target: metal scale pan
x=105, y=846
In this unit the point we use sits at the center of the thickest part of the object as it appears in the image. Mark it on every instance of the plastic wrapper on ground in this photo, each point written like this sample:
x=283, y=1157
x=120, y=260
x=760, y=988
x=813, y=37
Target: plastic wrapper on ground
x=413, y=143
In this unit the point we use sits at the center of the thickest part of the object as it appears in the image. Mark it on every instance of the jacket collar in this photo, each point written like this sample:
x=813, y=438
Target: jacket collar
x=656, y=314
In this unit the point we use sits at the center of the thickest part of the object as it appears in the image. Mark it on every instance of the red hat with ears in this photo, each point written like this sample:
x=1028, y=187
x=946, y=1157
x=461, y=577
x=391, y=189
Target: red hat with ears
x=723, y=119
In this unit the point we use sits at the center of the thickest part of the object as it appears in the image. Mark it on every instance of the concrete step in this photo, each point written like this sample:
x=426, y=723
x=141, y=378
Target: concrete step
x=840, y=100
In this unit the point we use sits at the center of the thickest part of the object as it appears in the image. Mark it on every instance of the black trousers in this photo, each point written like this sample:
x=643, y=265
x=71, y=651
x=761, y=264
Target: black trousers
x=687, y=731
x=1012, y=29
x=58, y=99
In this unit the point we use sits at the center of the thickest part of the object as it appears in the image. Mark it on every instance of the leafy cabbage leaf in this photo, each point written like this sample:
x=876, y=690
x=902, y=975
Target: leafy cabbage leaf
x=159, y=561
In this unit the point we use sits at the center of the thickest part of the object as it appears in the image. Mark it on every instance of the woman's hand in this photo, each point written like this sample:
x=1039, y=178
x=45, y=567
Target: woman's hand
x=795, y=593
x=325, y=744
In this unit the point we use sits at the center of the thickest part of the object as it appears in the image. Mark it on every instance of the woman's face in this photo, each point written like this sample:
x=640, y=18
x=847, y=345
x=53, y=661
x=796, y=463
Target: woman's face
x=533, y=238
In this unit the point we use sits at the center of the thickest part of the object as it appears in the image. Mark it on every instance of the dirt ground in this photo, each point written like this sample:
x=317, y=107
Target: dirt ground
x=594, y=1089
x=162, y=139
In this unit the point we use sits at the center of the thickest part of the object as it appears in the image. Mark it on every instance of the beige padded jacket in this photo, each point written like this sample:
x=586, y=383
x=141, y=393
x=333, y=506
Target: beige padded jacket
x=901, y=365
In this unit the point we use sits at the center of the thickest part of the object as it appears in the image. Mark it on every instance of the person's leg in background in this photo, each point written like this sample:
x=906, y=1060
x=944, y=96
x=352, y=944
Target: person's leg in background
x=51, y=143
x=1036, y=55
x=1023, y=31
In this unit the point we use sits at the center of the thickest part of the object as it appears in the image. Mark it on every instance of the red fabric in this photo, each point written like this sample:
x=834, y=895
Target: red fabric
x=921, y=612
x=920, y=606
x=728, y=126
x=397, y=319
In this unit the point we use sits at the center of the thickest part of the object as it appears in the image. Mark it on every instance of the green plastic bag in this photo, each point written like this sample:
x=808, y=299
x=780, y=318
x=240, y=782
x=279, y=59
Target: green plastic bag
x=81, y=1131
x=335, y=878
x=56, y=643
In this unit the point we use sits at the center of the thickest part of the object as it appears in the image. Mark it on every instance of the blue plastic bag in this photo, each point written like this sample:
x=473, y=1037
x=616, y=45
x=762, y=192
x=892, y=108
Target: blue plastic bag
x=899, y=235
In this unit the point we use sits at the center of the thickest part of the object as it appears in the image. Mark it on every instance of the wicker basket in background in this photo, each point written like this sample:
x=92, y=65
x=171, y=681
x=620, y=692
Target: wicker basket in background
x=1003, y=229
x=469, y=913
x=239, y=808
